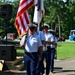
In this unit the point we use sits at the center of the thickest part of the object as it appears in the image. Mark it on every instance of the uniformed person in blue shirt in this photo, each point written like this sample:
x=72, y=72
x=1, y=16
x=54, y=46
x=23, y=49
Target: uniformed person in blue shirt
x=40, y=33
x=42, y=38
x=32, y=45
x=46, y=49
x=53, y=50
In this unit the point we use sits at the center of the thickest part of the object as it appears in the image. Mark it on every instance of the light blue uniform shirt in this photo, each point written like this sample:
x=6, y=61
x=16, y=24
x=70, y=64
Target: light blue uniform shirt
x=49, y=37
x=32, y=43
x=41, y=34
x=55, y=41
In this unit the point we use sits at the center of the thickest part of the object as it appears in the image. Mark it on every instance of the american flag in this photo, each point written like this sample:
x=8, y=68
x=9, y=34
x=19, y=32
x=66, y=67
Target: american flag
x=22, y=18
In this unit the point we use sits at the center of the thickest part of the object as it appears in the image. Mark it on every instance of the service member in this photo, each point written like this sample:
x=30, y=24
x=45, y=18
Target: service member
x=46, y=49
x=32, y=45
x=42, y=38
x=53, y=50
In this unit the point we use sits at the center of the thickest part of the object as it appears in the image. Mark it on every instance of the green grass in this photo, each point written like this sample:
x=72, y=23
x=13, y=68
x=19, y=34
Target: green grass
x=20, y=51
x=65, y=50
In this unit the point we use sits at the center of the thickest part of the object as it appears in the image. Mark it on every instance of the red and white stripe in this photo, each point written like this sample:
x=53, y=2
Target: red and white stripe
x=22, y=18
x=22, y=23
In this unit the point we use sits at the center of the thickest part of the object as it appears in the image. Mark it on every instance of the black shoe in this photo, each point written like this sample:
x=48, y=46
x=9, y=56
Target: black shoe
x=52, y=72
x=42, y=73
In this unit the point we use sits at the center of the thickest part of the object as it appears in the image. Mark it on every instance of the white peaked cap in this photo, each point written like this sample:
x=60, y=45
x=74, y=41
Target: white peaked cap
x=46, y=25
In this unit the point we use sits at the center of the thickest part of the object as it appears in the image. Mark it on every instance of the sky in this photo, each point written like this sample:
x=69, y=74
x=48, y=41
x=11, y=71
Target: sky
x=64, y=0
x=11, y=0
x=8, y=0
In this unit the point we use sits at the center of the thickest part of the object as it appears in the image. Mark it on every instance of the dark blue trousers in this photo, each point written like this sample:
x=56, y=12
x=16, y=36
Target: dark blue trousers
x=31, y=62
x=46, y=55
x=52, y=59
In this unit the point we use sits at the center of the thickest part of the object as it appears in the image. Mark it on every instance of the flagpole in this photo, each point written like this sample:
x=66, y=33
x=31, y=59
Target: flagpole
x=39, y=8
x=42, y=12
x=38, y=26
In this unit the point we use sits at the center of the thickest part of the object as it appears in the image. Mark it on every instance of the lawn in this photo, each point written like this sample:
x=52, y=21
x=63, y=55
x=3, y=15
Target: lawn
x=64, y=50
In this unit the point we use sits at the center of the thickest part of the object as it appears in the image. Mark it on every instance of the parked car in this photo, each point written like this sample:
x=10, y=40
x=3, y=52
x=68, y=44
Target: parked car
x=18, y=39
x=10, y=36
x=61, y=39
x=72, y=35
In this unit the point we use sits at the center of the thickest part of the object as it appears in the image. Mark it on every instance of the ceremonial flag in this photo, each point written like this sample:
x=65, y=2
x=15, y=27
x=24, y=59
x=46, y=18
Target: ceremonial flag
x=22, y=18
x=38, y=12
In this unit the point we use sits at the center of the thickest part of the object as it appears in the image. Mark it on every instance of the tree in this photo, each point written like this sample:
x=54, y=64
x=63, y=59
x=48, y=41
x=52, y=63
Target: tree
x=10, y=23
x=56, y=12
x=65, y=11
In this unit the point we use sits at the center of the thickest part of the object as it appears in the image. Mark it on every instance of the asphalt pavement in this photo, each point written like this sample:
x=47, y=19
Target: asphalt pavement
x=64, y=67
x=61, y=67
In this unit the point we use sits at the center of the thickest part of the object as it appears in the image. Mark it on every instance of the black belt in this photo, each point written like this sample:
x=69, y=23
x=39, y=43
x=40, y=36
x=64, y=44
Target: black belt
x=31, y=52
x=48, y=46
x=52, y=48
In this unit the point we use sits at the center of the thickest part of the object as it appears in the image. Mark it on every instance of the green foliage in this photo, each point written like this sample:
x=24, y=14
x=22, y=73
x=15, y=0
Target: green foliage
x=53, y=9
x=66, y=13
x=7, y=23
x=0, y=30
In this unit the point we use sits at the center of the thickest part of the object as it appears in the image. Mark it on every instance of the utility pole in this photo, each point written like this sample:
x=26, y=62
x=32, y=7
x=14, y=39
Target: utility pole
x=4, y=0
x=59, y=25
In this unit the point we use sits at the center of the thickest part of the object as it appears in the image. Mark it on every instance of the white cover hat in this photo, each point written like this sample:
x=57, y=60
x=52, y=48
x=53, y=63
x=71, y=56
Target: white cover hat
x=46, y=25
